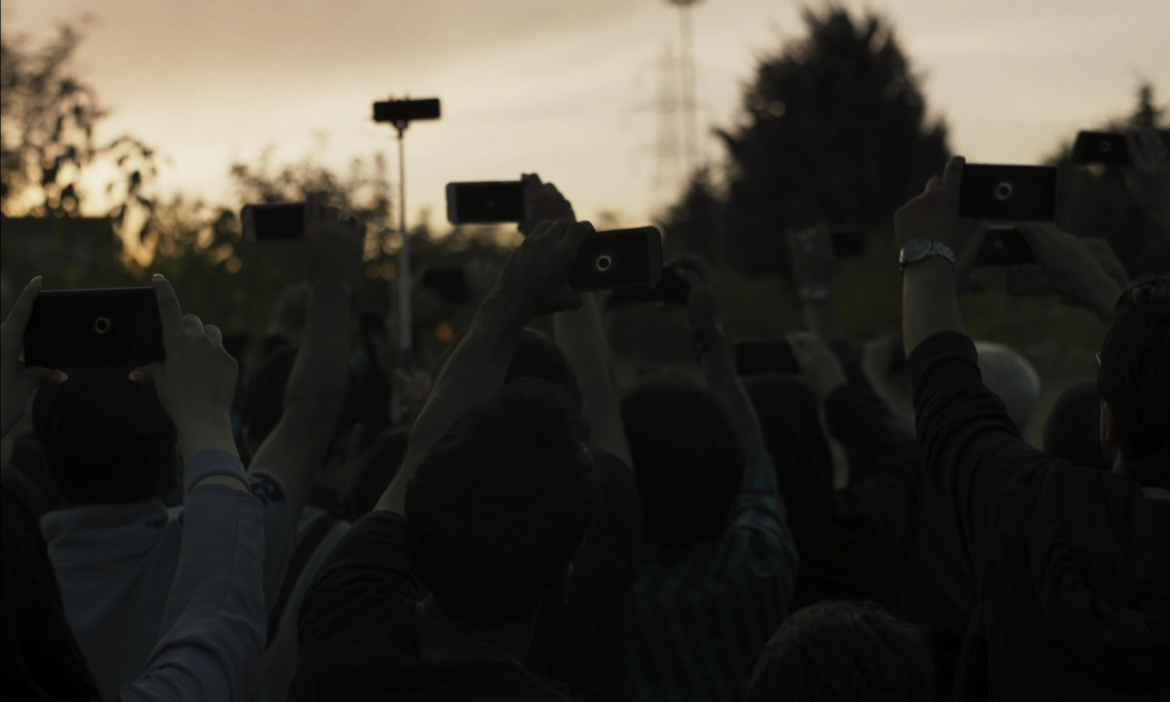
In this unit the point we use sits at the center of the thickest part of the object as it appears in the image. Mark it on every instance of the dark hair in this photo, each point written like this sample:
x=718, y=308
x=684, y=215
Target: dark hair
x=41, y=658
x=500, y=505
x=1072, y=430
x=843, y=651
x=263, y=403
x=1134, y=378
x=687, y=456
x=105, y=437
x=536, y=356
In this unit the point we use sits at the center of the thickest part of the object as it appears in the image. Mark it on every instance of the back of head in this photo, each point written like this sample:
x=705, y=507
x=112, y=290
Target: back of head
x=263, y=402
x=1072, y=430
x=1134, y=379
x=844, y=651
x=500, y=505
x=105, y=437
x=1010, y=376
x=687, y=456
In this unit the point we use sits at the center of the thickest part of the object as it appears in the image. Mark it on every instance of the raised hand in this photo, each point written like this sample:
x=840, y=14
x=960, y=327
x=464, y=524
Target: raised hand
x=818, y=364
x=1149, y=178
x=17, y=382
x=333, y=247
x=814, y=263
x=701, y=304
x=1066, y=265
x=542, y=201
x=196, y=382
x=535, y=279
x=935, y=213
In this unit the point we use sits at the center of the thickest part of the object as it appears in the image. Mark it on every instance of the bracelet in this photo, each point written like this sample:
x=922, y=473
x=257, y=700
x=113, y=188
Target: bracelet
x=814, y=293
x=703, y=338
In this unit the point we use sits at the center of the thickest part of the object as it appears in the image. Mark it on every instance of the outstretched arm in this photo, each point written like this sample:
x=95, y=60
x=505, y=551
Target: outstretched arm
x=534, y=281
x=296, y=448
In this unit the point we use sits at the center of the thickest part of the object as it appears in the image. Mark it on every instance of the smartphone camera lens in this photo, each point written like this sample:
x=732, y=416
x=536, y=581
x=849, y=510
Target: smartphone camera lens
x=998, y=244
x=1003, y=191
x=603, y=263
x=1106, y=147
x=101, y=325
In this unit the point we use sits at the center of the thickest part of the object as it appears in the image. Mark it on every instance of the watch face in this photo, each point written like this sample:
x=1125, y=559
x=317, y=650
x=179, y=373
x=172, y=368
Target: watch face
x=916, y=249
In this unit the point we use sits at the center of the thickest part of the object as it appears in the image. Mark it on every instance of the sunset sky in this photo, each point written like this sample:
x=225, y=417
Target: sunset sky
x=561, y=88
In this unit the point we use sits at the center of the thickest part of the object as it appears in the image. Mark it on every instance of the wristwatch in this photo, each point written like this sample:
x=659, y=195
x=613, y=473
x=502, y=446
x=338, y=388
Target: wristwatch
x=917, y=250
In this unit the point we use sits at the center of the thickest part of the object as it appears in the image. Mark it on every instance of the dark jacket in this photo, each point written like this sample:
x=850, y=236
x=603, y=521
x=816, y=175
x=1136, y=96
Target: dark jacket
x=1072, y=565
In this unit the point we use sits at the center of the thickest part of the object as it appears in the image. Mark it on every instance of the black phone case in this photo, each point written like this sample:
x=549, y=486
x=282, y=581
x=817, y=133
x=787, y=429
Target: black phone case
x=756, y=357
x=1008, y=193
x=848, y=244
x=669, y=290
x=619, y=258
x=1004, y=247
x=117, y=327
x=485, y=203
x=1101, y=147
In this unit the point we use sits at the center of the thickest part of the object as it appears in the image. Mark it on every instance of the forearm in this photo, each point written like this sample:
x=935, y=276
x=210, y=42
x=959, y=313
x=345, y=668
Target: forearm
x=475, y=370
x=821, y=318
x=929, y=303
x=580, y=336
x=722, y=380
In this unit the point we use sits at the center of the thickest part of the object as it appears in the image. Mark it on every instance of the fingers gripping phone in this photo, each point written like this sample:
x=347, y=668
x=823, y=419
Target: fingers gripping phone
x=1008, y=193
x=116, y=327
x=485, y=202
x=756, y=357
x=670, y=289
x=1101, y=147
x=618, y=258
x=1004, y=247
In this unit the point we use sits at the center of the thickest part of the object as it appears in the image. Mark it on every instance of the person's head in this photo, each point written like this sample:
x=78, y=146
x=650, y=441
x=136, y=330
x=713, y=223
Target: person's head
x=687, y=456
x=498, y=509
x=263, y=405
x=1134, y=383
x=844, y=651
x=537, y=357
x=106, y=438
x=1072, y=429
x=1010, y=376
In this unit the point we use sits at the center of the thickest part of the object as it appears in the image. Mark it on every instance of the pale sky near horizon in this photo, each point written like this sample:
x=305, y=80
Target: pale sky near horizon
x=561, y=88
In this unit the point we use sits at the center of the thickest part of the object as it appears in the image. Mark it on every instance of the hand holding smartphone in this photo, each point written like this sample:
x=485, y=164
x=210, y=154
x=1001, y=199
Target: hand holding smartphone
x=115, y=327
x=618, y=258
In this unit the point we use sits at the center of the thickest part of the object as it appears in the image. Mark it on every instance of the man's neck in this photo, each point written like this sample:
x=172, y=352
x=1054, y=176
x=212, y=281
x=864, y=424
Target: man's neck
x=441, y=637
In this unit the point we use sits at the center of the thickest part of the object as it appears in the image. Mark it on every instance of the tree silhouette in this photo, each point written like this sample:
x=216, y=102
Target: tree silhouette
x=835, y=129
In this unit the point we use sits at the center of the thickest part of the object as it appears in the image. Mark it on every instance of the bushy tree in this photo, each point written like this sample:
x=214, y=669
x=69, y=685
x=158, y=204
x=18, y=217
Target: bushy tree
x=835, y=129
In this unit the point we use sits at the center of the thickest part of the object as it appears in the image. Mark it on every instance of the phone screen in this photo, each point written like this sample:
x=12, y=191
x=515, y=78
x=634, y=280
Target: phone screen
x=756, y=357
x=485, y=203
x=283, y=221
x=117, y=327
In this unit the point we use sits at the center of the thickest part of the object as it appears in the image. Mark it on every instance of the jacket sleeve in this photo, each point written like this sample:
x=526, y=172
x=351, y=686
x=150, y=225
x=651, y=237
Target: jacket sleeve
x=972, y=448
x=212, y=652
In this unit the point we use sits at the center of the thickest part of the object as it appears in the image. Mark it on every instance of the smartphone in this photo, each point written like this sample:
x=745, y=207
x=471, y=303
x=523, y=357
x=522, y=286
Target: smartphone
x=1004, y=247
x=670, y=289
x=114, y=327
x=1020, y=284
x=848, y=244
x=406, y=110
x=449, y=284
x=282, y=221
x=485, y=203
x=1101, y=147
x=756, y=357
x=619, y=258
x=1008, y=193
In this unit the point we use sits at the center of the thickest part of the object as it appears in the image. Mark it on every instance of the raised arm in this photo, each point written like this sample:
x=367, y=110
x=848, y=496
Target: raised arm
x=714, y=352
x=313, y=398
x=814, y=263
x=16, y=381
x=534, y=281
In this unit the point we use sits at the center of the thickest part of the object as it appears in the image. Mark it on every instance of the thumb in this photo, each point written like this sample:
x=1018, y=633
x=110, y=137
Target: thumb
x=38, y=376
x=147, y=374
